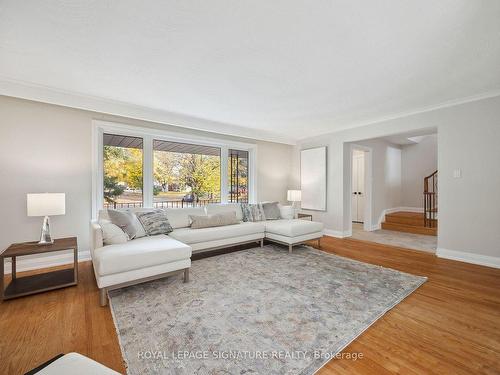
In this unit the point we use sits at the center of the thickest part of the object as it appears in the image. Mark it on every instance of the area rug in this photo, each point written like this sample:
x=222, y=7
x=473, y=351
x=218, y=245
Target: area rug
x=256, y=311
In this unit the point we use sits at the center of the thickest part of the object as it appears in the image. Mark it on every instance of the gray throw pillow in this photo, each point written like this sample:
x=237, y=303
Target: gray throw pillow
x=271, y=210
x=253, y=212
x=216, y=220
x=154, y=222
x=123, y=220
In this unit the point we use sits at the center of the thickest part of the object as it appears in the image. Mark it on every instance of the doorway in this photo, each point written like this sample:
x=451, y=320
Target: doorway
x=358, y=186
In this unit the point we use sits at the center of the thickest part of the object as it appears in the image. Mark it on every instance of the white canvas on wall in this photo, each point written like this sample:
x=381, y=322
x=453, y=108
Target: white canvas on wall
x=313, y=178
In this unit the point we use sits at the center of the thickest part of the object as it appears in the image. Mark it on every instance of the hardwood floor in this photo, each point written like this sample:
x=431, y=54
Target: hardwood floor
x=450, y=325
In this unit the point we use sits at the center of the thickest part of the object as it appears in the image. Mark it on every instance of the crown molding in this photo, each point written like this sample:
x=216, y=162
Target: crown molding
x=44, y=94
x=398, y=115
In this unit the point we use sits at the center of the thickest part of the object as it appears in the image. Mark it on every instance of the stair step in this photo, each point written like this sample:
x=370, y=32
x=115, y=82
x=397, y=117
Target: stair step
x=416, y=219
x=410, y=228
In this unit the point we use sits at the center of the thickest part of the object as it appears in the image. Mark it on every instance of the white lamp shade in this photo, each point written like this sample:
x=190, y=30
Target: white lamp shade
x=46, y=204
x=294, y=195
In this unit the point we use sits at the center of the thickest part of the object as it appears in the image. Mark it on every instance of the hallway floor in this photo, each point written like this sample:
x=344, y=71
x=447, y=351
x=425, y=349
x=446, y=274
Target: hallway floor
x=389, y=237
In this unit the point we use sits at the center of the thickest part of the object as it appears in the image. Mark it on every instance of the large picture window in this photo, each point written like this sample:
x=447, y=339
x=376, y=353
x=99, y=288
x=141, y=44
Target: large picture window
x=142, y=167
x=185, y=174
x=238, y=176
x=122, y=171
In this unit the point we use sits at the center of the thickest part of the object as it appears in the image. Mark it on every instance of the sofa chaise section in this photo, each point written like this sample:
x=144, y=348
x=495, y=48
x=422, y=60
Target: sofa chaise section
x=293, y=232
x=140, y=260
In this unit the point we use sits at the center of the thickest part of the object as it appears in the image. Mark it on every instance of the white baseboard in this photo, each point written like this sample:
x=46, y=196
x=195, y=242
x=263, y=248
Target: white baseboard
x=33, y=263
x=462, y=256
x=337, y=233
x=395, y=209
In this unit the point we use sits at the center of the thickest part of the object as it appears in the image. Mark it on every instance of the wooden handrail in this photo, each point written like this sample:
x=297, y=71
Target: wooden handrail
x=432, y=176
x=430, y=200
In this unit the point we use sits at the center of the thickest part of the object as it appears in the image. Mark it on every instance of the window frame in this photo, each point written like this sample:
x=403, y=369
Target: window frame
x=148, y=135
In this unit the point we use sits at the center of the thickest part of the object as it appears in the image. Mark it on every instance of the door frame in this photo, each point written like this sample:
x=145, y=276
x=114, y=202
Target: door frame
x=367, y=225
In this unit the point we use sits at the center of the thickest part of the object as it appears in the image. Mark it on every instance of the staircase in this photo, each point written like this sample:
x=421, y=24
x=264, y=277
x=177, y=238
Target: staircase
x=409, y=222
x=416, y=222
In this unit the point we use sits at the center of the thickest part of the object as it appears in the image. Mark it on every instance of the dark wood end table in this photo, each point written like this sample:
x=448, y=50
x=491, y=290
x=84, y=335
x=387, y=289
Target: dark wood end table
x=26, y=285
x=303, y=216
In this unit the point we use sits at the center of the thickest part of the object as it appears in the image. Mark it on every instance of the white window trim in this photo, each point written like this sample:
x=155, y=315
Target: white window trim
x=100, y=127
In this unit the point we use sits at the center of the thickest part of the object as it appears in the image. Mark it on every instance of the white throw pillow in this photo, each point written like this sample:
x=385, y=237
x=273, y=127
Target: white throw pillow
x=112, y=234
x=287, y=212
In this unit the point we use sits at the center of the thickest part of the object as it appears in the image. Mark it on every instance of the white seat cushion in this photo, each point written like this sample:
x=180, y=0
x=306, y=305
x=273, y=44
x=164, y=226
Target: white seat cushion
x=139, y=253
x=293, y=228
x=191, y=236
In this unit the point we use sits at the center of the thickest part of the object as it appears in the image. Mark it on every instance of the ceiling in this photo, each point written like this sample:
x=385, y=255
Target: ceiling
x=279, y=70
x=410, y=138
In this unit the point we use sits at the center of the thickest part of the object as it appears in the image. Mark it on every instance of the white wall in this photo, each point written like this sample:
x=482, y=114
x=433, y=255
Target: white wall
x=47, y=148
x=386, y=175
x=417, y=162
x=468, y=136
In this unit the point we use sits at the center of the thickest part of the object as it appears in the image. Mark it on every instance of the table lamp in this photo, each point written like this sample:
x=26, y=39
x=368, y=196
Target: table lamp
x=46, y=204
x=294, y=196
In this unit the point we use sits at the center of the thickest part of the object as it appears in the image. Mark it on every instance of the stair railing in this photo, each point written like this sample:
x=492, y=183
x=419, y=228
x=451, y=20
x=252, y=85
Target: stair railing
x=431, y=200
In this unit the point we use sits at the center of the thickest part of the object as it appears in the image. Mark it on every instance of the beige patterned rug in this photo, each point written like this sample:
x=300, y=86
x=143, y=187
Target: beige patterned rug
x=257, y=311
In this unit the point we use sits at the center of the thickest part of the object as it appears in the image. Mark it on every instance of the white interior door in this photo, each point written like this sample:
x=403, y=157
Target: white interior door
x=358, y=186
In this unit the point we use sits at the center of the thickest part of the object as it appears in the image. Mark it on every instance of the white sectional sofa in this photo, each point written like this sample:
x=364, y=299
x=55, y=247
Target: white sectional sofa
x=152, y=257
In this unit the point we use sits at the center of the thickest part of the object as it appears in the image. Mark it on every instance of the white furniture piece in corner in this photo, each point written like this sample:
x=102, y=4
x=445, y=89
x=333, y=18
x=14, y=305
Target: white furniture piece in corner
x=76, y=364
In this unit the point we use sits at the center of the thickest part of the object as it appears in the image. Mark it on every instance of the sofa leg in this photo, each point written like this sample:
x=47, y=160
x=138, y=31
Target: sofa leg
x=186, y=275
x=262, y=243
x=103, y=297
x=319, y=243
x=290, y=249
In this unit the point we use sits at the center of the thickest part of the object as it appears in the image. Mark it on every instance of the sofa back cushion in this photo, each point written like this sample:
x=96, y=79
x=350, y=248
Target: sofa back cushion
x=179, y=217
x=219, y=208
x=287, y=212
x=271, y=210
x=215, y=220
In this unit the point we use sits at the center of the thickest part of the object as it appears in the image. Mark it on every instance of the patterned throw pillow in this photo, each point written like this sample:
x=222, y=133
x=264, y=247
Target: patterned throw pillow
x=271, y=210
x=154, y=222
x=253, y=212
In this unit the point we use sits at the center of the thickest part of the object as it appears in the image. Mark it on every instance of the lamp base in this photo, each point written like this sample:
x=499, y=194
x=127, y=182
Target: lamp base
x=45, y=238
x=295, y=210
